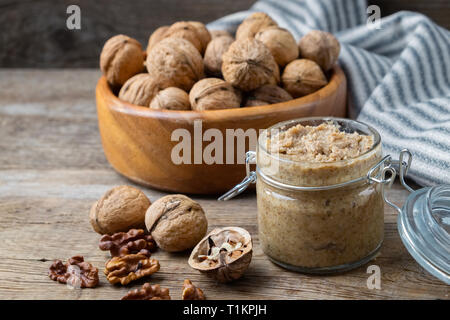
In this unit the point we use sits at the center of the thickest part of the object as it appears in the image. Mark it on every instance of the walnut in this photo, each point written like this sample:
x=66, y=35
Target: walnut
x=156, y=37
x=191, y=292
x=129, y=268
x=267, y=94
x=187, y=31
x=202, y=33
x=213, y=55
x=321, y=47
x=176, y=222
x=175, y=62
x=253, y=24
x=281, y=44
x=140, y=89
x=213, y=94
x=121, y=58
x=220, y=33
x=131, y=242
x=76, y=272
x=302, y=77
x=224, y=254
x=148, y=292
x=120, y=209
x=248, y=65
x=171, y=99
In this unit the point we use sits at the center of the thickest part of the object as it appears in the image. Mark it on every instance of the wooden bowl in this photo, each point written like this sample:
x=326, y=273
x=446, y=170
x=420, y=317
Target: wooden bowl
x=137, y=140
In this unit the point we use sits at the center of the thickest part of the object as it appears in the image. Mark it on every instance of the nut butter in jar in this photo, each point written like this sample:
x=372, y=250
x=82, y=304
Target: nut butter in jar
x=315, y=213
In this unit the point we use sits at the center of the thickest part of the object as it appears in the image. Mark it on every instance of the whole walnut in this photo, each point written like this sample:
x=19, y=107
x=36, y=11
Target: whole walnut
x=321, y=47
x=171, y=99
x=267, y=94
x=253, y=24
x=176, y=222
x=213, y=55
x=213, y=94
x=120, y=209
x=248, y=64
x=203, y=34
x=302, y=77
x=175, y=62
x=121, y=58
x=219, y=33
x=140, y=89
x=187, y=31
x=281, y=44
x=156, y=37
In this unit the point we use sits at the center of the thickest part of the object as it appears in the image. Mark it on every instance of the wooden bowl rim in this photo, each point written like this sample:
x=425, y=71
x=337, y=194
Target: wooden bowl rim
x=336, y=80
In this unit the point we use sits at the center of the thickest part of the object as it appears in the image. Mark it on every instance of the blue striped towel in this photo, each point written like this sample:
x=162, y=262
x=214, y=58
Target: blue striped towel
x=398, y=75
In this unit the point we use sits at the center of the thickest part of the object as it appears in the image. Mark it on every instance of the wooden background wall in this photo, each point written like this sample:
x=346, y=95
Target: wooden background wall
x=33, y=33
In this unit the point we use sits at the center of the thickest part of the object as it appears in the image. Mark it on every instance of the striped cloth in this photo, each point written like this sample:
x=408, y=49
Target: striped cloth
x=398, y=75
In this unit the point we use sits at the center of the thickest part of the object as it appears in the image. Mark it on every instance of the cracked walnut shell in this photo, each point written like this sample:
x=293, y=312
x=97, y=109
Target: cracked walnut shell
x=321, y=47
x=129, y=268
x=121, y=58
x=119, y=209
x=175, y=62
x=171, y=99
x=76, y=272
x=214, y=94
x=140, y=89
x=148, y=292
x=176, y=222
x=248, y=64
x=213, y=54
x=302, y=77
x=131, y=242
x=267, y=94
x=281, y=44
x=253, y=24
x=224, y=254
x=191, y=292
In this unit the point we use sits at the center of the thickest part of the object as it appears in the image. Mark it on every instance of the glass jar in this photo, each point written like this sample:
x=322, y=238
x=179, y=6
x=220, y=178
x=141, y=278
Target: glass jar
x=328, y=217
x=319, y=217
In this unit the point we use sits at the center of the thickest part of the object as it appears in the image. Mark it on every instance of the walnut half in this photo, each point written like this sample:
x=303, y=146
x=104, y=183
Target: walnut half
x=129, y=268
x=224, y=254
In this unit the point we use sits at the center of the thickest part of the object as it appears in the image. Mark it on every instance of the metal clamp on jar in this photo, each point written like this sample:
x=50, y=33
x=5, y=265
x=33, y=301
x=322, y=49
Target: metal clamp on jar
x=329, y=217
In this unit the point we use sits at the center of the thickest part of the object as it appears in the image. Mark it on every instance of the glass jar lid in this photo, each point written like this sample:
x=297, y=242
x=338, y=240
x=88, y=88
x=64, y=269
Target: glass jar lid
x=424, y=227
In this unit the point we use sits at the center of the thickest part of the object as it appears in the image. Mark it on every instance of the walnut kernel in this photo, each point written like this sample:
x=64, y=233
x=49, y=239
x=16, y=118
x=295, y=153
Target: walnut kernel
x=213, y=94
x=148, y=292
x=321, y=47
x=191, y=292
x=302, y=77
x=121, y=58
x=176, y=222
x=248, y=64
x=171, y=99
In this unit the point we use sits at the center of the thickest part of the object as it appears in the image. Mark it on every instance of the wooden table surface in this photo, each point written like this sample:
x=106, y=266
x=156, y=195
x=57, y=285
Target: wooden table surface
x=52, y=169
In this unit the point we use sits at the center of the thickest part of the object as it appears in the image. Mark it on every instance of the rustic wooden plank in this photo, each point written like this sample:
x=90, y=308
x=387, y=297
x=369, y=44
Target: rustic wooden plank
x=52, y=169
x=34, y=39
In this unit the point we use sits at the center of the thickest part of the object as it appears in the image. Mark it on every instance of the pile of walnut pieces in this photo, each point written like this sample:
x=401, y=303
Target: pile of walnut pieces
x=174, y=223
x=187, y=67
